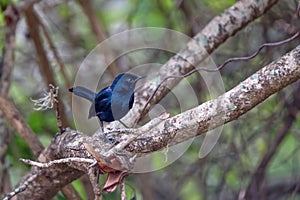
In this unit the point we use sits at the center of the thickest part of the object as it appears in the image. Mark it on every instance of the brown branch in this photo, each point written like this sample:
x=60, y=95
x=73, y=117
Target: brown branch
x=122, y=190
x=17, y=121
x=11, y=17
x=33, y=27
x=24, y=5
x=95, y=24
x=55, y=54
x=48, y=183
x=215, y=33
x=21, y=188
x=229, y=106
x=184, y=126
x=5, y=184
x=32, y=21
x=283, y=189
x=185, y=7
x=160, y=140
x=70, y=193
x=98, y=31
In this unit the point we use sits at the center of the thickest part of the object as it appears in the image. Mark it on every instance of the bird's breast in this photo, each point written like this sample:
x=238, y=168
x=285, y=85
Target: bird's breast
x=120, y=105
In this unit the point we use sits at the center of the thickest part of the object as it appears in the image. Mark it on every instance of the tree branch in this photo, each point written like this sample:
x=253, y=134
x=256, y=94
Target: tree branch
x=47, y=73
x=229, y=106
x=96, y=26
x=234, y=103
x=11, y=16
x=17, y=121
x=215, y=33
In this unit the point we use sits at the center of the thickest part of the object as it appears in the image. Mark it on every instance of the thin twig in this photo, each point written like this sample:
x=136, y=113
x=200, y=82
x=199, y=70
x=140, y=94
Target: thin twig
x=58, y=118
x=43, y=61
x=298, y=10
x=273, y=44
x=59, y=161
x=22, y=187
x=11, y=16
x=49, y=99
x=93, y=174
x=98, y=31
x=55, y=53
x=122, y=190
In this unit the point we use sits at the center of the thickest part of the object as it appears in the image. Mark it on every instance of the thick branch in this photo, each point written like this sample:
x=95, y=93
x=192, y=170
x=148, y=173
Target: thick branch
x=215, y=33
x=52, y=179
x=17, y=121
x=234, y=103
x=225, y=108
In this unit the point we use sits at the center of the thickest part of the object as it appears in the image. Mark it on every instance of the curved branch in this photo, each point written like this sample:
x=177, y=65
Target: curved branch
x=218, y=30
x=234, y=103
x=231, y=105
x=17, y=121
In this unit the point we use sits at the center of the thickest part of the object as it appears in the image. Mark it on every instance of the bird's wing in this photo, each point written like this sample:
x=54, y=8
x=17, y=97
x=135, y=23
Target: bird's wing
x=103, y=94
x=131, y=100
x=103, y=100
x=83, y=92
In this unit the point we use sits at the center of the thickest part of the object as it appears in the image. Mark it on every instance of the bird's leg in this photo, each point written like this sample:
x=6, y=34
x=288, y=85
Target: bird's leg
x=101, y=125
x=101, y=122
x=123, y=124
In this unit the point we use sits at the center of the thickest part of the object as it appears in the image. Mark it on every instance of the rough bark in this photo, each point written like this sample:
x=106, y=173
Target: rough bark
x=239, y=100
x=216, y=32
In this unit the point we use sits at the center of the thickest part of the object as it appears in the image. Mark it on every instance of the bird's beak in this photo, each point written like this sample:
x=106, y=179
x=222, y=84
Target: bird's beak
x=140, y=77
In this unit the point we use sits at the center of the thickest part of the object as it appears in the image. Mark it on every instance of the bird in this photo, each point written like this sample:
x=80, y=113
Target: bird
x=112, y=102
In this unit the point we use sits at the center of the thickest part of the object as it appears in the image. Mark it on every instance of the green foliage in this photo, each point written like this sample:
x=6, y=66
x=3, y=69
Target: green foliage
x=233, y=178
x=219, y=5
x=188, y=191
x=19, y=95
x=64, y=11
x=286, y=162
x=4, y=4
x=1, y=19
x=261, y=146
x=42, y=121
x=214, y=174
x=145, y=18
x=19, y=149
x=77, y=184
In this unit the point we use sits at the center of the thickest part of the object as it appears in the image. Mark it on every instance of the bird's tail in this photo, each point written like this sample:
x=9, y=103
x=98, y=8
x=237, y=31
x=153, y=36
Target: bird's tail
x=83, y=92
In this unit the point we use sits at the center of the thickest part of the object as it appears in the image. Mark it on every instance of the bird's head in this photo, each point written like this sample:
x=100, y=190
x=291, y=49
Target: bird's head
x=126, y=80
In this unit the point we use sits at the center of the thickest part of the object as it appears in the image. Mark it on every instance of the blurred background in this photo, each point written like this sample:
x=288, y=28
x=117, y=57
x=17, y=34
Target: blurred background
x=68, y=30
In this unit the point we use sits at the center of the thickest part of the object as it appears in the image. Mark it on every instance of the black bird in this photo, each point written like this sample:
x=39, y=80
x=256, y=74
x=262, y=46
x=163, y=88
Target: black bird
x=113, y=102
